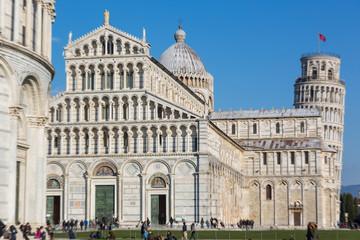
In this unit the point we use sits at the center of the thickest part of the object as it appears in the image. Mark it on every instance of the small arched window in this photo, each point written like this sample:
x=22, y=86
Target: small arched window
x=277, y=127
x=106, y=139
x=314, y=73
x=254, y=128
x=330, y=74
x=233, y=129
x=86, y=140
x=126, y=140
x=302, y=127
x=268, y=192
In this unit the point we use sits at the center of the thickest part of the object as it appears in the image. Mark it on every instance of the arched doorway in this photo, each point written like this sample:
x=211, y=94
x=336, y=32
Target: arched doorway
x=158, y=191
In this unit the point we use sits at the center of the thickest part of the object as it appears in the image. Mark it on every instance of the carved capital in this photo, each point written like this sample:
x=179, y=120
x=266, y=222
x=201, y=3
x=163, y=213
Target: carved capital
x=72, y=135
x=14, y=112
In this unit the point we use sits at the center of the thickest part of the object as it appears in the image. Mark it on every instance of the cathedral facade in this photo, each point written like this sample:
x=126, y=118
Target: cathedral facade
x=133, y=137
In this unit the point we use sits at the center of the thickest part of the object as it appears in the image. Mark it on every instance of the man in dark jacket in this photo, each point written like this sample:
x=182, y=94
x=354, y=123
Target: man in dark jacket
x=2, y=226
x=171, y=222
x=192, y=231
x=13, y=232
x=184, y=232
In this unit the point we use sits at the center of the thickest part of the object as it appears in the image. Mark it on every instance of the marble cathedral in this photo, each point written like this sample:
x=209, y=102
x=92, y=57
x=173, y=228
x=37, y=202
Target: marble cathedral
x=135, y=137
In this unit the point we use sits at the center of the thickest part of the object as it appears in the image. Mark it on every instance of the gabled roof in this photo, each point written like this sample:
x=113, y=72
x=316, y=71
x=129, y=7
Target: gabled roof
x=273, y=113
x=109, y=28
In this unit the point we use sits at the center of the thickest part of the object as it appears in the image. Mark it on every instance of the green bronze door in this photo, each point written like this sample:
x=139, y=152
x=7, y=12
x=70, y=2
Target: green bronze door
x=158, y=209
x=104, y=201
x=154, y=209
x=49, y=208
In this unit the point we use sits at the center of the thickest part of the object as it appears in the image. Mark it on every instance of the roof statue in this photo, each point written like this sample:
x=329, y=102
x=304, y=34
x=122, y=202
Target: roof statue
x=106, y=17
x=70, y=36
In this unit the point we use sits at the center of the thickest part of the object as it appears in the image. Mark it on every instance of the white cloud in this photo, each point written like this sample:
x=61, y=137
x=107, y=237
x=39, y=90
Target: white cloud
x=55, y=39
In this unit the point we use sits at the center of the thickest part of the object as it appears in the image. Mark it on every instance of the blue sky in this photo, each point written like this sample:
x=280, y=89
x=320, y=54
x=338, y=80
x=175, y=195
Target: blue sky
x=252, y=48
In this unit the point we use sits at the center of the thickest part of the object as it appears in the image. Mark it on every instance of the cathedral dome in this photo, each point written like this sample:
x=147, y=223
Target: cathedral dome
x=180, y=58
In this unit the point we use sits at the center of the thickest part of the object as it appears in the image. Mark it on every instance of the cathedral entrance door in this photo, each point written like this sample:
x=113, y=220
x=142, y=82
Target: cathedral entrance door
x=158, y=209
x=53, y=209
x=104, y=201
x=297, y=221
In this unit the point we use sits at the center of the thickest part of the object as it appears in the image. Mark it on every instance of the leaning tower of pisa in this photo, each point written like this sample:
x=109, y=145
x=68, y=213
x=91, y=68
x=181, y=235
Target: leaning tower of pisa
x=320, y=86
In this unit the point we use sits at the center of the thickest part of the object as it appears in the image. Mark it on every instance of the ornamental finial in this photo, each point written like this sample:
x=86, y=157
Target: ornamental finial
x=180, y=21
x=106, y=17
x=70, y=36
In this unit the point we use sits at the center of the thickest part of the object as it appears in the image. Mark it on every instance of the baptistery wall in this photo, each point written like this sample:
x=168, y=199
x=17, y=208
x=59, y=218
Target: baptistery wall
x=25, y=78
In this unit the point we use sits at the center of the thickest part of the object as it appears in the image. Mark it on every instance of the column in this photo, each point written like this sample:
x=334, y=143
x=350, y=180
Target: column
x=72, y=111
x=91, y=110
x=131, y=110
x=72, y=142
x=111, y=137
x=168, y=137
x=120, y=143
x=106, y=45
x=64, y=112
x=29, y=6
x=125, y=78
x=116, y=78
x=155, y=111
x=178, y=135
x=136, y=77
x=44, y=31
x=148, y=138
x=62, y=145
x=111, y=103
x=91, y=148
x=49, y=35
x=81, y=140
x=78, y=83
x=172, y=195
x=101, y=148
x=81, y=117
x=188, y=135
x=130, y=141
x=158, y=136
x=148, y=113
x=143, y=195
x=121, y=109
x=53, y=135
x=16, y=21
x=2, y=16
x=100, y=112
x=50, y=147
x=38, y=26
x=138, y=149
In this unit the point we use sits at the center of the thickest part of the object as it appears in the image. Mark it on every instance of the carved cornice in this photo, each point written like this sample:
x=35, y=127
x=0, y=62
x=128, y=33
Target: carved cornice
x=37, y=121
x=31, y=54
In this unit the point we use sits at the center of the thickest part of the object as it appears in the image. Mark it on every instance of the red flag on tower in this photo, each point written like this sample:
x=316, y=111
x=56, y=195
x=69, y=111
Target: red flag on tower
x=322, y=37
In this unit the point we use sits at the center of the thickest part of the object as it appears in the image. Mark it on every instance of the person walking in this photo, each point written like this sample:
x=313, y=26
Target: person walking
x=171, y=222
x=192, y=231
x=81, y=224
x=86, y=224
x=202, y=222
x=13, y=232
x=311, y=233
x=184, y=232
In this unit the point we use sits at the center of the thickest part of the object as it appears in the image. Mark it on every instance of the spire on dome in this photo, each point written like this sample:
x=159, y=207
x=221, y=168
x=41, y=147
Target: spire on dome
x=180, y=35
